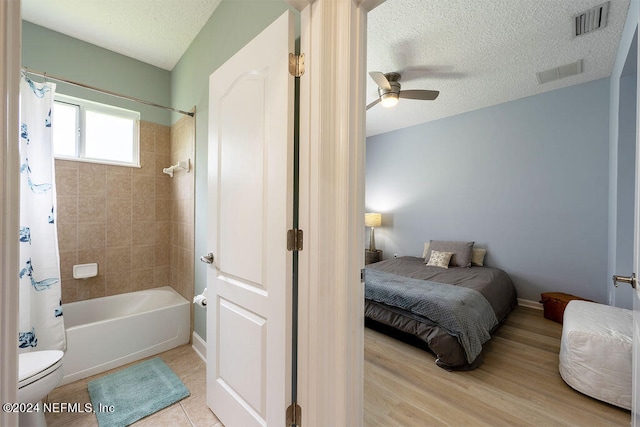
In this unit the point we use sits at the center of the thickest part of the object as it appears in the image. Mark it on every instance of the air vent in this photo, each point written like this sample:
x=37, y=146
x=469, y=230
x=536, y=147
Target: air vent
x=560, y=72
x=591, y=20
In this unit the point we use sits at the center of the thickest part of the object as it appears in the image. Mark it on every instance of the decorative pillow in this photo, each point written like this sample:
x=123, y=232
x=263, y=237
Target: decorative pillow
x=439, y=259
x=461, y=251
x=477, y=256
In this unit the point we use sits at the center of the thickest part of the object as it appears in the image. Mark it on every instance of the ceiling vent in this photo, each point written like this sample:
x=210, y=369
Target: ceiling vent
x=560, y=72
x=591, y=20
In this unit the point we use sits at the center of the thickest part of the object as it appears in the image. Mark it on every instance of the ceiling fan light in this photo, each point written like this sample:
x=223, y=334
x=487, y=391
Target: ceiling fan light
x=389, y=100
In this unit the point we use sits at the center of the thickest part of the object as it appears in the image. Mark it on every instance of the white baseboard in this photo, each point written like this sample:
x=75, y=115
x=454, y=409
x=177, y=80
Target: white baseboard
x=529, y=303
x=199, y=346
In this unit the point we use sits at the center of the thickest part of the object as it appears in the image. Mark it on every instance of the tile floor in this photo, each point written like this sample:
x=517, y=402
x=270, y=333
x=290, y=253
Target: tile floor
x=191, y=411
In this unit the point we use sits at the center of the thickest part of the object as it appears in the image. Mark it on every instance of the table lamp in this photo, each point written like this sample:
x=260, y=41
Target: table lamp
x=372, y=220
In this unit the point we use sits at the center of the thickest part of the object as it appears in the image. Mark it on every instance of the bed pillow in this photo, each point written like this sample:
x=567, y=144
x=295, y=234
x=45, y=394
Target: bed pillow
x=461, y=251
x=477, y=256
x=425, y=252
x=440, y=259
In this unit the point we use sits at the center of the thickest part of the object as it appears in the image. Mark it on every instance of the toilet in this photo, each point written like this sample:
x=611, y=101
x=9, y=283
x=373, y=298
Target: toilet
x=39, y=372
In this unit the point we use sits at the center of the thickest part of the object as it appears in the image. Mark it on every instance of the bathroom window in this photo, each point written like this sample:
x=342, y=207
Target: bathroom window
x=92, y=132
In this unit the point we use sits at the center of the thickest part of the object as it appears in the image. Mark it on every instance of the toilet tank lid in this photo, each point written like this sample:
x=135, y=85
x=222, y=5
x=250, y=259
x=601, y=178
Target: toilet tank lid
x=30, y=364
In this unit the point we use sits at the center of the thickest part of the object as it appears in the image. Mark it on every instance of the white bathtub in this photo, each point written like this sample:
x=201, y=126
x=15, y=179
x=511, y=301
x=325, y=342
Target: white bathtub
x=104, y=333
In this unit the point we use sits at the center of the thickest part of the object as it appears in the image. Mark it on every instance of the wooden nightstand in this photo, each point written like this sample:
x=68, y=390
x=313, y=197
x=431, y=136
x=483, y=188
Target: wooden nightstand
x=372, y=256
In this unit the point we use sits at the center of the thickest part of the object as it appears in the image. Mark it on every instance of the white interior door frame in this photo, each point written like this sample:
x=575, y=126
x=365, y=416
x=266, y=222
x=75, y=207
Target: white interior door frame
x=10, y=43
x=332, y=161
x=635, y=397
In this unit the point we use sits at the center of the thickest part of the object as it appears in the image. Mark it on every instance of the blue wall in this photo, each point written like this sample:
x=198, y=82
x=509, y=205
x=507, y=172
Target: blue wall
x=528, y=180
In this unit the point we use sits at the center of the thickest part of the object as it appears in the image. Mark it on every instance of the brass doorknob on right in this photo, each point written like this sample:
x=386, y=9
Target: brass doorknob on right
x=625, y=279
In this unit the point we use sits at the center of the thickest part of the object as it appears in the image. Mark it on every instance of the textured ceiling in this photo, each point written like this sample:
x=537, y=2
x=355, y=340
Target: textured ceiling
x=477, y=53
x=480, y=53
x=157, y=32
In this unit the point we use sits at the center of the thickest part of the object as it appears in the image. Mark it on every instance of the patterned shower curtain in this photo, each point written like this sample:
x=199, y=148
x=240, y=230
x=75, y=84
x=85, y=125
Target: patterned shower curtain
x=40, y=326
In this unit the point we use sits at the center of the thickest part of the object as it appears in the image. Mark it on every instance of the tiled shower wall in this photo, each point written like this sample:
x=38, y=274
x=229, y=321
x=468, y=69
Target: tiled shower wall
x=182, y=208
x=119, y=217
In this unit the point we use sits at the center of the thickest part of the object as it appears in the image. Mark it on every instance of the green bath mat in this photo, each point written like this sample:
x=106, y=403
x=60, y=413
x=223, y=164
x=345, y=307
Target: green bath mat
x=124, y=397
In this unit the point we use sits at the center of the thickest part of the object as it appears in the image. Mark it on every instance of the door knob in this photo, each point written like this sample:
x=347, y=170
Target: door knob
x=207, y=259
x=625, y=279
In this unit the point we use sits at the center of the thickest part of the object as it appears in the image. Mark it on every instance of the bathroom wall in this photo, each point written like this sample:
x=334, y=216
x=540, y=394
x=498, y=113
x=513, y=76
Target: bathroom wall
x=119, y=217
x=60, y=55
x=182, y=208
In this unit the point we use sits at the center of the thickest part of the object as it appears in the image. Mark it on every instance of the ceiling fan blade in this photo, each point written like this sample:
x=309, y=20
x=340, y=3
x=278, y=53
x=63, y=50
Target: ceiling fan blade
x=373, y=103
x=380, y=80
x=427, y=95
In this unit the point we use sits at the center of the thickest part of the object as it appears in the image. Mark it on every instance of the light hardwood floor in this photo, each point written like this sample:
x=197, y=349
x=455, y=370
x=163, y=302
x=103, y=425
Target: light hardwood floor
x=517, y=385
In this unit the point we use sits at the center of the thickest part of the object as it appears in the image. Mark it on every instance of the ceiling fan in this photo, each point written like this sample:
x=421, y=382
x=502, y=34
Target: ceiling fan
x=389, y=90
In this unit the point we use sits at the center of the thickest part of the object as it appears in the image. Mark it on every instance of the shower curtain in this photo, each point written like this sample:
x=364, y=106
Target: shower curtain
x=40, y=311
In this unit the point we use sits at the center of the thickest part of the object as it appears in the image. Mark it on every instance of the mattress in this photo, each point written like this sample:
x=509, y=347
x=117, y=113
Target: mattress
x=596, y=351
x=424, y=330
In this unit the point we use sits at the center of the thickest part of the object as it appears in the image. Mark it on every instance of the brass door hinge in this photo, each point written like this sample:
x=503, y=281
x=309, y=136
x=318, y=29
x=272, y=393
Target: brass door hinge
x=294, y=240
x=296, y=64
x=294, y=415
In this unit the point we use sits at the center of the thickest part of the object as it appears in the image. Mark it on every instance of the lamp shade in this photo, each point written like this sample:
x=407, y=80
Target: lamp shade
x=372, y=219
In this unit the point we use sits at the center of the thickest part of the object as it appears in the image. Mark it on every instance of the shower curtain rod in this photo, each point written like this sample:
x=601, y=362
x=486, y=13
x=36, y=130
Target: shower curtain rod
x=108, y=92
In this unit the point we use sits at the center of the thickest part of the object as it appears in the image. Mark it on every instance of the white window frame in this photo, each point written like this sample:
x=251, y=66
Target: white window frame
x=86, y=105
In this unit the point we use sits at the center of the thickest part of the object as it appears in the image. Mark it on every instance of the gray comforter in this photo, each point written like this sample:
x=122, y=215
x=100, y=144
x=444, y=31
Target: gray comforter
x=462, y=312
x=437, y=329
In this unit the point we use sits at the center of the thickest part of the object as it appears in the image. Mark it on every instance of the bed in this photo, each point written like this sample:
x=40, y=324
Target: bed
x=450, y=311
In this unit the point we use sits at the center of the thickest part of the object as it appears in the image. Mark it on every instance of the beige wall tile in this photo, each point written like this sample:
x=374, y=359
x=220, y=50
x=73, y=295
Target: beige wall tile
x=161, y=255
x=163, y=210
x=143, y=257
x=92, y=236
x=93, y=287
x=67, y=209
x=143, y=187
x=163, y=187
x=161, y=276
x=147, y=164
x=67, y=260
x=119, y=259
x=147, y=137
x=119, y=210
x=143, y=233
x=119, y=185
x=66, y=182
x=66, y=164
x=67, y=237
x=69, y=291
x=92, y=209
x=163, y=230
x=94, y=255
x=163, y=161
x=118, y=282
x=118, y=233
x=134, y=222
x=142, y=279
x=143, y=209
x=92, y=180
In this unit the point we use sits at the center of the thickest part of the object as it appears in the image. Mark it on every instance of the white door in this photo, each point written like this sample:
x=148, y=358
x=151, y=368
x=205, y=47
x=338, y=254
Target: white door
x=249, y=211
